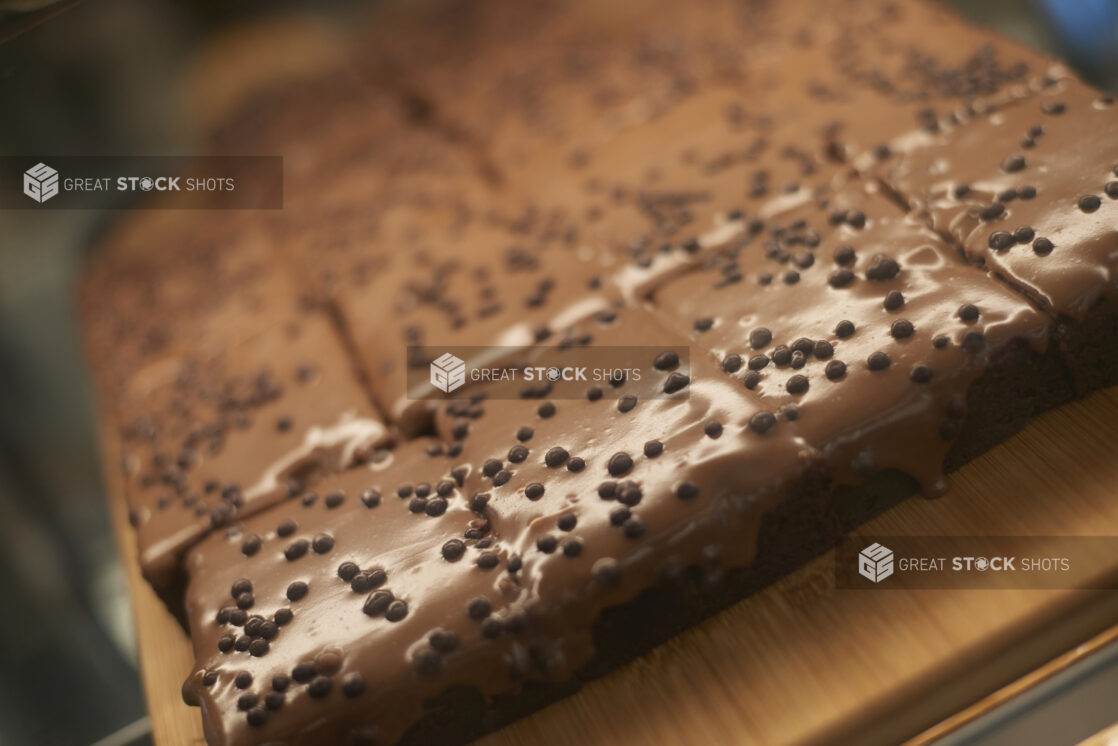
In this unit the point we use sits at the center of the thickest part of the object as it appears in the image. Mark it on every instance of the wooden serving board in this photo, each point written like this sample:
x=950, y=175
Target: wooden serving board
x=801, y=662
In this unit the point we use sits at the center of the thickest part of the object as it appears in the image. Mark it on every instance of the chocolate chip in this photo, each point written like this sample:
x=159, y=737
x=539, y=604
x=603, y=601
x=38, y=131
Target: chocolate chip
x=556, y=456
x=567, y=522
x=396, y=610
x=901, y=329
x=487, y=560
x=258, y=648
x=479, y=608
x=320, y=686
x=751, y=380
x=732, y=363
x=443, y=641
x=1024, y=234
x=363, y=582
x=940, y=341
x=633, y=528
x=247, y=701
x=251, y=545
x=882, y=268
x=546, y=410
x=1001, y=240
x=353, y=685
x=436, y=506
x=225, y=643
x=844, y=255
x=1013, y=163
x=894, y=300
x=256, y=717
x=993, y=211
x=797, y=384
x=921, y=374
x=594, y=393
x=302, y=672
x=620, y=463
x=878, y=361
x=453, y=550
x=961, y=191
x=628, y=402
x=296, y=549
x=713, y=429
x=703, y=324
x=1089, y=203
x=968, y=312
x=1053, y=107
x=576, y=464
x=209, y=678
x=653, y=448
x=844, y=329
x=297, y=590
x=758, y=362
x=534, y=491
x=687, y=491
x=323, y=543
x=572, y=548
x=762, y=422
x=822, y=349
x=840, y=278
x=782, y=355
x=285, y=529
x=835, y=370
x=243, y=680
x=1043, y=246
x=1111, y=189
x=547, y=544
x=370, y=498
x=760, y=337
x=375, y=605
x=676, y=382
x=666, y=360
x=1026, y=192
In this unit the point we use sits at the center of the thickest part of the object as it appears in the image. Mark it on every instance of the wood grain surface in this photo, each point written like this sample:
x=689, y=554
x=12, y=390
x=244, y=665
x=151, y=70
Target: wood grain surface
x=802, y=662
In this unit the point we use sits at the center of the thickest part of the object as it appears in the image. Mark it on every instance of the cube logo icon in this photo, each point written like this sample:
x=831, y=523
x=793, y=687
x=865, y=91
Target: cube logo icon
x=40, y=182
x=448, y=373
x=875, y=562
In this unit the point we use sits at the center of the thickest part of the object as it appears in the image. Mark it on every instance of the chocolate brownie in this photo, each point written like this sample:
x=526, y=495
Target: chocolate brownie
x=808, y=199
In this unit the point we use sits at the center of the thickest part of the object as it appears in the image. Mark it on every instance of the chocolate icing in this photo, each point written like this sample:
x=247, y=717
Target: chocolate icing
x=774, y=185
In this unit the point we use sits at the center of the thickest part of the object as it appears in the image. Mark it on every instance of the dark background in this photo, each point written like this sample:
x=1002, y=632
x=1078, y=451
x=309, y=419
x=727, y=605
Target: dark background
x=105, y=77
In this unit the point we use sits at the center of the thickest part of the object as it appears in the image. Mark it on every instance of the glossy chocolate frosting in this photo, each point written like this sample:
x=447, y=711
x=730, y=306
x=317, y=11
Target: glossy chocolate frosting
x=776, y=186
